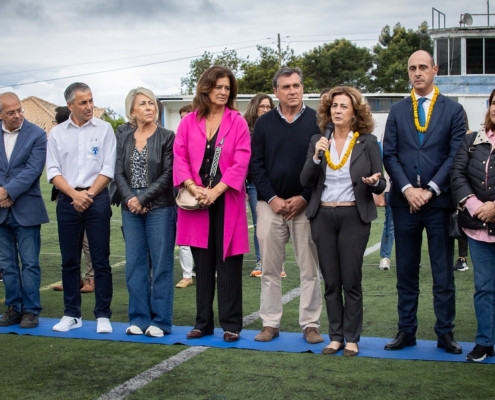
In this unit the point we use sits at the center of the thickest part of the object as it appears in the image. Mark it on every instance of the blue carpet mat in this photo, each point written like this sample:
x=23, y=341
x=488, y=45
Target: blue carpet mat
x=289, y=342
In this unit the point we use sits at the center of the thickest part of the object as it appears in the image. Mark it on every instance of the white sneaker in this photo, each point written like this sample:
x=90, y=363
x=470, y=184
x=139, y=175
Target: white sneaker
x=384, y=264
x=67, y=323
x=154, y=331
x=103, y=325
x=134, y=330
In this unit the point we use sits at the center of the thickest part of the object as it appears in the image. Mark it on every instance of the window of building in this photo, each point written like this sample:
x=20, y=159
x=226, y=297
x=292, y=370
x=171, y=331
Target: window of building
x=449, y=56
x=480, y=56
x=382, y=104
x=489, y=55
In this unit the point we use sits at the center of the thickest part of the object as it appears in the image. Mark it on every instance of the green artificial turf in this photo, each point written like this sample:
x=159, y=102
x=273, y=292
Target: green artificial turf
x=49, y=368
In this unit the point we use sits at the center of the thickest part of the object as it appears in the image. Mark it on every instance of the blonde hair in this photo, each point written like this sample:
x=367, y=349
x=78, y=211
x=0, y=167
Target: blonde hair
x=131, y=98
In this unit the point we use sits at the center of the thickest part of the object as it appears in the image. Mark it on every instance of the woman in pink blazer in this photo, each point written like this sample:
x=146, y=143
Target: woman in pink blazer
x=218, y=233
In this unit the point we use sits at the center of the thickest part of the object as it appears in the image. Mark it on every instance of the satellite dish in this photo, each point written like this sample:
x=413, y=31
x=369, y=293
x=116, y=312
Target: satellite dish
x=466, y=19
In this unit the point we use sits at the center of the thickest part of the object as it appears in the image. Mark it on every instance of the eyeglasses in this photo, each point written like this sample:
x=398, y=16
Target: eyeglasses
x=263, y=107
x=20, y=111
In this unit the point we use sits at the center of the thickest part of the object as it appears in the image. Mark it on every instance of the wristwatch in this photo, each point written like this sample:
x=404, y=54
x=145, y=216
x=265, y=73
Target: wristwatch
x=430, y=189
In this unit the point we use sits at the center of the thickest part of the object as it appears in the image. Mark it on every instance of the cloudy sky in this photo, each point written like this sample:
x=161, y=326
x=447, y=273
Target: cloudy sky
x=116, y=45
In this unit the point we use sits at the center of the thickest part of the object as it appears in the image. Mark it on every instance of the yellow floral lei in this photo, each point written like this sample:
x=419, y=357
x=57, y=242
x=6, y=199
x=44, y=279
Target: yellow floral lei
x=420, y=128
x=346, y=154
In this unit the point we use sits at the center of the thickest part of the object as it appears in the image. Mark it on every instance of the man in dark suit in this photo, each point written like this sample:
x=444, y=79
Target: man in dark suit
x=422, y=136
x=22, y=211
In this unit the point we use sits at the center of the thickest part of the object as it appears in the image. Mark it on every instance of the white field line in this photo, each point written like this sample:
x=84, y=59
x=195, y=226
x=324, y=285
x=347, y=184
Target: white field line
x=133, y=384
x=136, y=383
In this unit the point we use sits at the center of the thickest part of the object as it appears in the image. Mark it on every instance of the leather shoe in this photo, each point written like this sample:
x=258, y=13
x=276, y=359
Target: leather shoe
x=60, y=287
x=400, y=341
x=231, y=336
x=197, y=334
x=351, y=353
x=184, y=282
x=330, y=350
x=448, y=343
x=89, y=286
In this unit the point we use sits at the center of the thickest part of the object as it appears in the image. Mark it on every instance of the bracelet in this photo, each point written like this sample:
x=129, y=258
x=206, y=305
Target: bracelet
x=188, y=183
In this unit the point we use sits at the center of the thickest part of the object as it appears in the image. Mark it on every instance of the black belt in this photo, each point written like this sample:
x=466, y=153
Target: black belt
x=81, y=189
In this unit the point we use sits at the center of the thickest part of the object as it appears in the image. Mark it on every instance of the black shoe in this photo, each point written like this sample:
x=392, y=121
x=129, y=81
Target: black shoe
x=461, y=265
x=29, y=320
x=11, y=317
x=448, y=343
x=400, y=341
x=479, y=353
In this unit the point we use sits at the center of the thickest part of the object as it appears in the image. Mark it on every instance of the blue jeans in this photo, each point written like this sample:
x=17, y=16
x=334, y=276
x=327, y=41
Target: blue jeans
x=22, y=289
x=71, y=226
x=388, y=232
x=253, y=199
x=149, y=251
x=483, y=258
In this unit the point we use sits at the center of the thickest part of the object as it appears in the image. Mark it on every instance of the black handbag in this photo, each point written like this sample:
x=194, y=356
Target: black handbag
x=455, y=230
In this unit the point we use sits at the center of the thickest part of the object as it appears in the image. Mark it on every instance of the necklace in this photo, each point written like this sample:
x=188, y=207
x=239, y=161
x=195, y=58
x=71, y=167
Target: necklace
x=420, y=128
x=346, y=154
x=214, y=124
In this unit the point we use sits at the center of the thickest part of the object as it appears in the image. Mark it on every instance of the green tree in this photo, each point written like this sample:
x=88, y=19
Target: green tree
x=113, y=118
x=337, y=63
x=392, y=53
x=257, y=75
x=228, y=58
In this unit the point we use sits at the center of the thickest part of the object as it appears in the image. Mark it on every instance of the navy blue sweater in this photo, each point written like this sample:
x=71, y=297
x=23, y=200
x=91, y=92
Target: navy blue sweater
x=279, y=152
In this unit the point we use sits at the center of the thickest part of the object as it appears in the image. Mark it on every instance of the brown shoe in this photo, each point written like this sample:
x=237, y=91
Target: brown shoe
x=267, y=334
x=312, y=335
x=89, y=286
x=184, y=282
x=331, y=350
x=351, y=353
x=58, y=288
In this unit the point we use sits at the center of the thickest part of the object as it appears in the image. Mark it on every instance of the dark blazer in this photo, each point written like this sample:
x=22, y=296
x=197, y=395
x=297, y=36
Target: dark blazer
x=402, y=154
x=160, y=160
x=365, y=161
x=21, y=175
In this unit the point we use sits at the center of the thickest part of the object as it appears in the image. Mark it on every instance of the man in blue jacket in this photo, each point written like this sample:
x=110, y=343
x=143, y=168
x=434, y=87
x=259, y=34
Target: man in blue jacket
x=22, y=211
x=422, y=136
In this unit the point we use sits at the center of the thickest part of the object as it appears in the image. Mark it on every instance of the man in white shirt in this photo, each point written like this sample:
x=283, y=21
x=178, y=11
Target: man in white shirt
x=80, y=162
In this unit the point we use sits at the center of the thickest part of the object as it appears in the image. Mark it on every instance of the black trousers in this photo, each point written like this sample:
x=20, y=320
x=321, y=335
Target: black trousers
x=341, y=238
x=463, y=245
x=229, y=278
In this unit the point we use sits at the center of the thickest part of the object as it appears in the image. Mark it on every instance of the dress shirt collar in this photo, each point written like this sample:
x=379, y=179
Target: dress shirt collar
x=429, y=96
x=4, y=129
x=91, y=121
x=295, y=116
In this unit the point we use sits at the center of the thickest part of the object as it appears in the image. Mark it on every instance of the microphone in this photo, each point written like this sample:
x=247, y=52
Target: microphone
x=328, y=131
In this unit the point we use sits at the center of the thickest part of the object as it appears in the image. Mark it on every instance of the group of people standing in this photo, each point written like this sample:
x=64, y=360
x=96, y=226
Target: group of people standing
x=314, y=174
